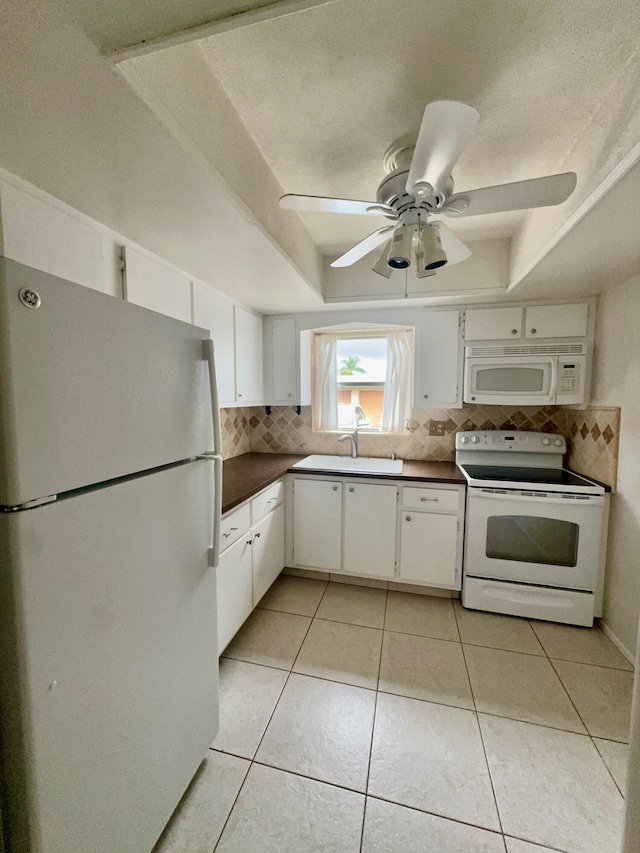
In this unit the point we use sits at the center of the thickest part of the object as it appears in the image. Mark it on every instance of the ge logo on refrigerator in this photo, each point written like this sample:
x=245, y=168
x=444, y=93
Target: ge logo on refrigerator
x=30, y=298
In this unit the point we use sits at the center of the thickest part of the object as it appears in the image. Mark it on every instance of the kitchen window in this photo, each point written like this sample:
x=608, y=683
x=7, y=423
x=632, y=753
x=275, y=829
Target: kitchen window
x=363, y=379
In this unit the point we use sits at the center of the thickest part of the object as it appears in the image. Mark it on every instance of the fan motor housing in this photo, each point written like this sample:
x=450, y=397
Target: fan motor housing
x=392, y=191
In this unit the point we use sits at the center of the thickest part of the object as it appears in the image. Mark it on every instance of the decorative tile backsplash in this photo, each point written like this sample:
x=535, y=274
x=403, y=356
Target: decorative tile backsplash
x=592, y=434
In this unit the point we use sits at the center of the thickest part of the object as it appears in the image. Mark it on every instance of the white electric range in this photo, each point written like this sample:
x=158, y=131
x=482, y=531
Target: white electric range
x=535, y=532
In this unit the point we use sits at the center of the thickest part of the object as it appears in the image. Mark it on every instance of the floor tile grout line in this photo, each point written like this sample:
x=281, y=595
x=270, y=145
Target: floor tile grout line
x=429, y=701
x=233, y=805
x=436, y=814
x=373, y=723
x=536, y=843
x=284, y=686
x=484, y=748
x=253, y=761
x=593, y=743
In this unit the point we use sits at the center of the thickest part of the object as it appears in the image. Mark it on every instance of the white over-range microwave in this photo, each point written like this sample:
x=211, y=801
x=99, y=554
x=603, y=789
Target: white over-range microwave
x=525, y=375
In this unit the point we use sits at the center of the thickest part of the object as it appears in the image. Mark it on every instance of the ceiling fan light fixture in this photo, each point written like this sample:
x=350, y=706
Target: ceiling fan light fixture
x=399, y=255
x=381, y=266
x=433, y=255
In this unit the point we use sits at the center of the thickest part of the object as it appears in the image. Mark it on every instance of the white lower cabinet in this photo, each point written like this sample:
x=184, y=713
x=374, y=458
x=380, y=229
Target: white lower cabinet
x=379, y=529
x=234, y=590
x=317, y=524
x=267, y=551
x=370, y=529
x=428, y=548
x=250, y=564
x=431, y=529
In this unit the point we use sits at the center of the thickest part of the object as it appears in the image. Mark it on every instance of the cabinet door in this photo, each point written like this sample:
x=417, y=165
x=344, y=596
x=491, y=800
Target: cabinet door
x=428, y=548
x=439, y=362
x=248, y=347
x=492, y=324
x=214, y=312
x=284, y=360
x=370, y=529
x=154, y=285
x=317, y=524
x=268, y=552
x=556, y=321
x=235, y=600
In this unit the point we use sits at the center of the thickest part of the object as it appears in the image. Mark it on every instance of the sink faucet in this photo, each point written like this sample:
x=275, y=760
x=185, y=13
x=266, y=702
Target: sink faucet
x=353, y=437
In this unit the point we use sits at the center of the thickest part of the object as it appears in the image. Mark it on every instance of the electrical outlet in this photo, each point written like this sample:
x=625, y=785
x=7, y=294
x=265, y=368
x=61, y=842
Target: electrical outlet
x=436, y=428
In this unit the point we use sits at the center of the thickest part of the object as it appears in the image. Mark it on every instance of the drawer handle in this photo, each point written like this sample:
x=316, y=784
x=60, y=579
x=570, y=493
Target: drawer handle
x=350, y=488
x=335, y=488
x=233, y=529
x=433, y=500
x=271, y=500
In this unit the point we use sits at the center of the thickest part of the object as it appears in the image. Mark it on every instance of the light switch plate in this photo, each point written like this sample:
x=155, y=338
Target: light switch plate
x=436, y=428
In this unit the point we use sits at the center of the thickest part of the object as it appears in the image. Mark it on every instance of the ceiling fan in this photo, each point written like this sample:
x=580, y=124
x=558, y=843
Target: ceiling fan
x=419, y=185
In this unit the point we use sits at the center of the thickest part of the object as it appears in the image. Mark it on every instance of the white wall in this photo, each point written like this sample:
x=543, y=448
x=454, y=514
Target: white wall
x=617, y=383
x=72, y=126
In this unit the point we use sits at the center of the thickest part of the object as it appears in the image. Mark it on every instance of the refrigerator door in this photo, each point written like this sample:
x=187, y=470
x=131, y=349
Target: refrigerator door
x=92, y=388
x=109, y=673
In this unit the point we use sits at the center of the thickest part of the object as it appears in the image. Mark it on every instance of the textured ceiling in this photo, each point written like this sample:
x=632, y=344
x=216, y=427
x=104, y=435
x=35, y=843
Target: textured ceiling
x=324, y=92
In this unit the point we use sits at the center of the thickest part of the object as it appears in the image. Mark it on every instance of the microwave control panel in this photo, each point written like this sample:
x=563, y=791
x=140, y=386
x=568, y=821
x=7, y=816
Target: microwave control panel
x=568, y=377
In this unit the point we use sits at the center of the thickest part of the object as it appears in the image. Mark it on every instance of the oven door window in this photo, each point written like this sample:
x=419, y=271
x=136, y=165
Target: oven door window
x=530, y=539
x=512, y=380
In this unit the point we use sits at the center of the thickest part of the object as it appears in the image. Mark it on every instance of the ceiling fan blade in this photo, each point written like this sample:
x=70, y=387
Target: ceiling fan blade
x=445, y=129
x=318, y=204
x=454, y=248
x=520, y=195
x=363, y=247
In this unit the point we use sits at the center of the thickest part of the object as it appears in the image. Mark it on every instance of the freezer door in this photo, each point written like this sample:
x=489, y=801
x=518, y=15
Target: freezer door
x=109, y=674
x=92, y=387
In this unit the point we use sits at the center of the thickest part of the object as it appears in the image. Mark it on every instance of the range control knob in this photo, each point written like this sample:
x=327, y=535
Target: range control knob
x=474, y=439
x=464, y=439
x=546, y=441
x=558, y=442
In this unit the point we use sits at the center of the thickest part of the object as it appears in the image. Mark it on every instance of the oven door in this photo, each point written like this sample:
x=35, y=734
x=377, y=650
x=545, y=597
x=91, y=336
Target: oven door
x=517, y=380
x=534, y=537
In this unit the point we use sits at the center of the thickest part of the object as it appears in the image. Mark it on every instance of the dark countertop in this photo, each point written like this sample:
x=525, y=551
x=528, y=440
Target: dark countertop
x=244, y=476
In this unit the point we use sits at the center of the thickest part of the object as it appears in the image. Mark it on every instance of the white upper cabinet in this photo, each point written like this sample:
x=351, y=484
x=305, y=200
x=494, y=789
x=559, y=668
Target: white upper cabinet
x=47, y=237
x=283, y=348
x=556, y=321
x=438, y=368
x=249, y=360
x=213, y=311
x=491, y=324
x=154, y=285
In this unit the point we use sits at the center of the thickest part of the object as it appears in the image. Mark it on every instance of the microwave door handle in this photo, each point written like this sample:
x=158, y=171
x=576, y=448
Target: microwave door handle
x=554, y=379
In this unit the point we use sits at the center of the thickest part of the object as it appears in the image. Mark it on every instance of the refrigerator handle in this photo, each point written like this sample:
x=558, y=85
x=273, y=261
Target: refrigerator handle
x=213, y=385
x=214, y=553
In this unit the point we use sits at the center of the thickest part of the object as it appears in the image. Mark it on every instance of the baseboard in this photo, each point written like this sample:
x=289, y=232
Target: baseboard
x=630, y=656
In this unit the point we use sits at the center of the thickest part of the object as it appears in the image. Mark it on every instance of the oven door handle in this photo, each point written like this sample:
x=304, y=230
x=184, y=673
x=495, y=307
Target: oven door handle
x=583, y=500
x=554, y=379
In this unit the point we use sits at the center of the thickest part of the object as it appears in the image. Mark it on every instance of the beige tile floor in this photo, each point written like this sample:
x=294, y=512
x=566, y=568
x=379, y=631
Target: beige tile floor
x=358, y=720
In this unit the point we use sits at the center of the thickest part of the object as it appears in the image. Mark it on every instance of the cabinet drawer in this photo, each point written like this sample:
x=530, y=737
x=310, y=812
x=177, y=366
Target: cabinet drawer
x=266, y=501
x=234, y=525
x=433, y=500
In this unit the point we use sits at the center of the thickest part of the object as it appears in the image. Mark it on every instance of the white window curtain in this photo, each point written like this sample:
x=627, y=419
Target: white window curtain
x=398, y=389
x=325, y=382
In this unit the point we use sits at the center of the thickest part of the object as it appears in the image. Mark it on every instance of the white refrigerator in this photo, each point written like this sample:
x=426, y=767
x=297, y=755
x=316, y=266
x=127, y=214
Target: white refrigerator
x=110, y=490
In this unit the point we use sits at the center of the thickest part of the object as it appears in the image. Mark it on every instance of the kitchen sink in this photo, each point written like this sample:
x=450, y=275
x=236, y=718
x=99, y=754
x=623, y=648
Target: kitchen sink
x=346, y=464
